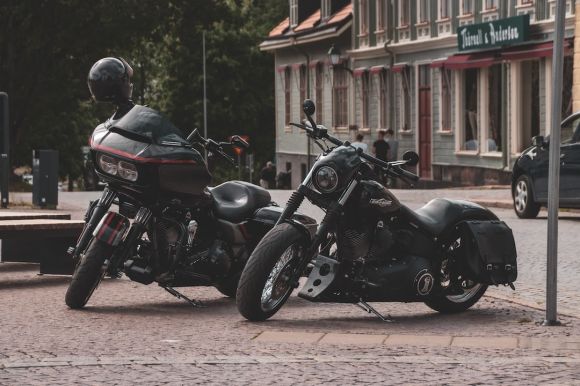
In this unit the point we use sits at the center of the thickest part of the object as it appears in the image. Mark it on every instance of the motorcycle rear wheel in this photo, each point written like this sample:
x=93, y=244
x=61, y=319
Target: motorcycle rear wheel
x=266, y=282
x=451, y=304
x=88, y=274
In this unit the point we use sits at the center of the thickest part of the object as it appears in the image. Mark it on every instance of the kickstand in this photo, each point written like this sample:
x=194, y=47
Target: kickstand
x=368, y=308
x=194, y=303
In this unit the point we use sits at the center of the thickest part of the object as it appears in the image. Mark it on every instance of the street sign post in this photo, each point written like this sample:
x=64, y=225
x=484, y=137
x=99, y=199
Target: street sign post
x=554, y=168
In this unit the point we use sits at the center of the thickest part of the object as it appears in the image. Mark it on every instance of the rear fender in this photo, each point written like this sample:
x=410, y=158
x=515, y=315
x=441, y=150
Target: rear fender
x=112, y=229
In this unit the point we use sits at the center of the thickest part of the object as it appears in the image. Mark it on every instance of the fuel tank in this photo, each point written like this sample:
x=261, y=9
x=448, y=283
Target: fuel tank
x=166, y=164
x=375, y=198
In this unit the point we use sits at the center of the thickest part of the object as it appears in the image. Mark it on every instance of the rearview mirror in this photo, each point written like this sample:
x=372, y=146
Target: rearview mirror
x=308, y=107
x=238, y=141
x=538, y=141
x=411, y=157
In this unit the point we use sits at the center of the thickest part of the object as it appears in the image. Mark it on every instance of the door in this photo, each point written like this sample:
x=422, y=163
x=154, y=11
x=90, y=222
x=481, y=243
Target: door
x=425, y=121
x=570, y=162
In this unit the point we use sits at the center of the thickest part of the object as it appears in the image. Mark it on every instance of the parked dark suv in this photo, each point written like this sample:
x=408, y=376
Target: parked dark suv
x=530, y=173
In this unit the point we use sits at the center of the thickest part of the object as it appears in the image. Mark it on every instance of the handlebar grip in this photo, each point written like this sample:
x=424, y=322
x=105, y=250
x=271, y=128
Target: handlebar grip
x=406, y=174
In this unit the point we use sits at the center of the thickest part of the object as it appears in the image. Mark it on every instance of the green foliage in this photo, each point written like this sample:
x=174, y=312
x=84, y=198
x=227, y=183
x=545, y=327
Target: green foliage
x=48, y=46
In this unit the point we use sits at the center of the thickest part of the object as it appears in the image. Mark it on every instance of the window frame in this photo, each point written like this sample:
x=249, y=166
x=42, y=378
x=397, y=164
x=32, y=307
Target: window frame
x=287, y=95
x=462, y=7
x=340, y=88
x=293, y=13
x=492, y=6
x=446, y=101
x=383, y=99
x=363, y=17
x=404, y=4
x=449, y=10
x=423, y=11
x=319, y=90
x=380, y=11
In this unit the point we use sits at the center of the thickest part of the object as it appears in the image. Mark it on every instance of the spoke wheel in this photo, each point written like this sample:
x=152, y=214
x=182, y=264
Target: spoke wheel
x=279, y=283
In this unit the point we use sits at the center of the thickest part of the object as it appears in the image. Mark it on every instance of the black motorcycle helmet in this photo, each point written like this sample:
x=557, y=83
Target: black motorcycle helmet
x=109, y=80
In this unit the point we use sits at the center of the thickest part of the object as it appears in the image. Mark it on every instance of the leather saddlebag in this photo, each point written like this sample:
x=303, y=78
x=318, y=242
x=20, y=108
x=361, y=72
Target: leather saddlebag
x=488, y=250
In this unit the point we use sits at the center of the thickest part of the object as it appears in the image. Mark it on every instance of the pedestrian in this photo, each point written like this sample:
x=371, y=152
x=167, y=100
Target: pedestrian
x=359, y=144
x=268, y=176
x=381, y=151
x=393, y=145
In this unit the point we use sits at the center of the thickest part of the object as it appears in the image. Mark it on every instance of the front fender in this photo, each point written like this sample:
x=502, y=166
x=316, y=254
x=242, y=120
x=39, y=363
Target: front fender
x=265, y=218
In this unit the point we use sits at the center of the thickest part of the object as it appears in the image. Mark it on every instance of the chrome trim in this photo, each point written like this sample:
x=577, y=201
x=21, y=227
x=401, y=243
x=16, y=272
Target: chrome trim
x=347, y=193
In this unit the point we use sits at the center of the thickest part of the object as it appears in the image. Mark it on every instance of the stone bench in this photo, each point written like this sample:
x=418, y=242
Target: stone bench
x=39, y=240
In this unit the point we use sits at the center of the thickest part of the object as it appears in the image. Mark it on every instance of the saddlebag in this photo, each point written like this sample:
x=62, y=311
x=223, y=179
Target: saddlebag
x=488, y=250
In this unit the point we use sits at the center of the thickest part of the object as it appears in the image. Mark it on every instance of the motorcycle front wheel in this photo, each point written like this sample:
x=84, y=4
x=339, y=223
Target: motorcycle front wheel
x=88, y=274
x=267, y=279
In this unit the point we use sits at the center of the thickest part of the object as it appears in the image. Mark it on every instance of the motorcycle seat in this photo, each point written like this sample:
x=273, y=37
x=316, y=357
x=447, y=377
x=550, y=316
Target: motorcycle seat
x=235, y=201
x=440, y=213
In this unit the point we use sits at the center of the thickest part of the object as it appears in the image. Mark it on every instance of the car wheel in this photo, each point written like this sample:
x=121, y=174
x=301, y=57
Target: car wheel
x=524, y=204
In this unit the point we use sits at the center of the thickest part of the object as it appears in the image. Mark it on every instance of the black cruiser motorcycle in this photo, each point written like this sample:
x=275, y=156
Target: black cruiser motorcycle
x=169, y=227
x=372, y=248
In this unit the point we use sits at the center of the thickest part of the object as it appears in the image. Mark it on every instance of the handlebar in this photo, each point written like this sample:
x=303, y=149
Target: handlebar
x=394, y=168
x=210, y=145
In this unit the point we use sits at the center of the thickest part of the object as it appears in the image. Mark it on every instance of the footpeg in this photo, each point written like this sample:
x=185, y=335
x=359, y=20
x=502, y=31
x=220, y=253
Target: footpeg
x=194, y=303
x=369, y=309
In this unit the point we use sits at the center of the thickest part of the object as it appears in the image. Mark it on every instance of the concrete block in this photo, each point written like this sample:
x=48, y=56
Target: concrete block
x=418, y=340
x=353, y=339
x=485, y=342
x=289, y=337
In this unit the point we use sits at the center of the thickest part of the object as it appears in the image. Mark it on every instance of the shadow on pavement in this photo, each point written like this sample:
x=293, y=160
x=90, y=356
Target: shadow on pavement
x=34, y=282
x=166, y=308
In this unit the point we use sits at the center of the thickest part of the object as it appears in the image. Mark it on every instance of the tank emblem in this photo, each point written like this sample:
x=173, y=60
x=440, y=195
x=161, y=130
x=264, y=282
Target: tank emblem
x=424, y=282
x=382, y=202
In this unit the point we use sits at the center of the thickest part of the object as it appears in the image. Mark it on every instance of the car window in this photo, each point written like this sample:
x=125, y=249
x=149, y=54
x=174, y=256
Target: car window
x=570, y=132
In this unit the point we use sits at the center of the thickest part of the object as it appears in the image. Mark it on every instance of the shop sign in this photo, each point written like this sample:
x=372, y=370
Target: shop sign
x=493, y=33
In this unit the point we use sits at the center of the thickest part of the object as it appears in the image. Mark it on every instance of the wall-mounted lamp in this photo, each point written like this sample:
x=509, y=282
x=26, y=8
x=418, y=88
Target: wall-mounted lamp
x=335, y=58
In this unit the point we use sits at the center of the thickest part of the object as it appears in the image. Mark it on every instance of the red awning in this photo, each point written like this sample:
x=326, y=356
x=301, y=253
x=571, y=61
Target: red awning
x=399, y=67
x=461, y=62
x=282, y=68
x=437, y=63
x=540, y=50
x=377, y=69
x=296, y=66
x=313, y=63
x=359, y=71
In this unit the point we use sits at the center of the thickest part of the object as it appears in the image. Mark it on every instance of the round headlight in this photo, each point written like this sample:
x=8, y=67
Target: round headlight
x=108, y=164
x=326, y=179
x=127, y=171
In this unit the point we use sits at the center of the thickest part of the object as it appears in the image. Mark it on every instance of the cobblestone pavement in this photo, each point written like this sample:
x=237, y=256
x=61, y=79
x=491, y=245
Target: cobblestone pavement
x=133, y=333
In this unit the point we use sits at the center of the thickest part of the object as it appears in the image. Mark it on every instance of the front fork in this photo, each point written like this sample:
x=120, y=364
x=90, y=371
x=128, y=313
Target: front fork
x=321, y=232
x=94, y=214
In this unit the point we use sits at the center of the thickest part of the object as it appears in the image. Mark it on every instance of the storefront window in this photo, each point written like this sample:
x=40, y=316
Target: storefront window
x=494, y=138
x=570, y=132
x=529, y=96
x=470, y=126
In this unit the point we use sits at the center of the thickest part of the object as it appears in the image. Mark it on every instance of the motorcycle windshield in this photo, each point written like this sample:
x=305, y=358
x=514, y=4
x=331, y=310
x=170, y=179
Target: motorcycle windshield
x=148, y=123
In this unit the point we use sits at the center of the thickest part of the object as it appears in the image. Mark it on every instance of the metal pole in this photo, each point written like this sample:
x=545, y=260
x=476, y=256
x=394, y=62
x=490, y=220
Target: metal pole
x=554, y=168
x=204, y=96
x=5, y=151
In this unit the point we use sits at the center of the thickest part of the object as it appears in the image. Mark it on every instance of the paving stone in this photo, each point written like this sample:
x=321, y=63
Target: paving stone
x=485, y=342
x=418, y=340
x=352, y=339
x=289, y=337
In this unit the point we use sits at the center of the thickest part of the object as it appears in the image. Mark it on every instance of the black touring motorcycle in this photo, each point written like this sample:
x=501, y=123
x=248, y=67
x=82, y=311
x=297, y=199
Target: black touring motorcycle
x=181, y=233
x=370, y=247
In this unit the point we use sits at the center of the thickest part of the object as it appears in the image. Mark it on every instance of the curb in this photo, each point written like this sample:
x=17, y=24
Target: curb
x=525, y=303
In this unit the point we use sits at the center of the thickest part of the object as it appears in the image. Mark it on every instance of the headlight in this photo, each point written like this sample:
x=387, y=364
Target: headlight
x=326, y=179
x=127, y=171
x=108, y=164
